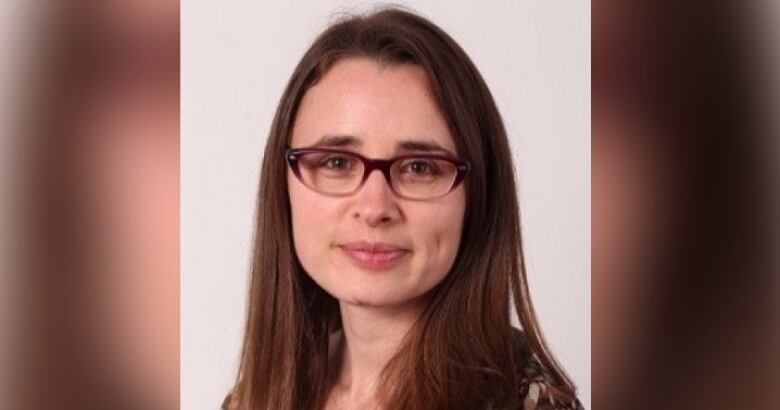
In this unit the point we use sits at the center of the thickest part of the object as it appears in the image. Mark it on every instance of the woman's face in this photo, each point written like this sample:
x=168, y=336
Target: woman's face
x=379, y=108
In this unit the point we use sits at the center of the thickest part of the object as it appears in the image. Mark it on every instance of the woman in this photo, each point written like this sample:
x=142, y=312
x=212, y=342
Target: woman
x=390, y=289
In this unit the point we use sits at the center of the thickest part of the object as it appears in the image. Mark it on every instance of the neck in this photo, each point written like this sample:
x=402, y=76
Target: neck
x=370, y=338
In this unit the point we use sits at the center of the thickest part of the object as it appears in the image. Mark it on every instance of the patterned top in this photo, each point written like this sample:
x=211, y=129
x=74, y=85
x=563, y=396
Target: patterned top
x=538, y=389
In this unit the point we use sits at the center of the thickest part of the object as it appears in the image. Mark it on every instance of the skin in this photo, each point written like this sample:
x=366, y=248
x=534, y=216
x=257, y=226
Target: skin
x=379, y=106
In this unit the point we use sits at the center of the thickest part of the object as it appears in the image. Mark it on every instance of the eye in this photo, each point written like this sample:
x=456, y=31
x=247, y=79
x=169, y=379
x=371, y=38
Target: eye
x=336, y=162
x=420, y=166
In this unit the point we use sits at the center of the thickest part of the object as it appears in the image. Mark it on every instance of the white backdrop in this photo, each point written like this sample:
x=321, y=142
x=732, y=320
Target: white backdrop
x=236, y=58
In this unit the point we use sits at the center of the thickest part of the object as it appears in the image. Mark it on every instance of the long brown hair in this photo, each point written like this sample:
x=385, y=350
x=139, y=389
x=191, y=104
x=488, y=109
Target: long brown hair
x=459, y=353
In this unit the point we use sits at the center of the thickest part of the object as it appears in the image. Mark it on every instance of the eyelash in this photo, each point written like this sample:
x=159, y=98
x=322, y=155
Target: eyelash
x=431, y=168
x=329, y=159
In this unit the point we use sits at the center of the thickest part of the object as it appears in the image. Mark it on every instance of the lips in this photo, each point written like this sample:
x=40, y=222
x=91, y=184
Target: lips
x=374, y=255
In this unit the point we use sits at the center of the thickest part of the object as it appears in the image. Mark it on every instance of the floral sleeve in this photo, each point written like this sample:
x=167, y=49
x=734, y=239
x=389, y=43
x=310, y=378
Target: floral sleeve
x=540, y=395
x=538, y=389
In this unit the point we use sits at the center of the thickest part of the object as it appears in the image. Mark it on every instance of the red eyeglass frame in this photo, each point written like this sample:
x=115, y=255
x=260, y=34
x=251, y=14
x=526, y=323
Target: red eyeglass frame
x=462, y=168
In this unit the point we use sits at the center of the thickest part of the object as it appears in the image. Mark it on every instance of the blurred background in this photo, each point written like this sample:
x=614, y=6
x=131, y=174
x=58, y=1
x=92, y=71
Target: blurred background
x=685, y=190
x=91, y=204
x=684, y=204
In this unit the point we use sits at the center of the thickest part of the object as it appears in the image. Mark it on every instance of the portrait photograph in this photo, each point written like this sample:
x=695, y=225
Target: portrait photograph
x=389, y=205
x=310, y=280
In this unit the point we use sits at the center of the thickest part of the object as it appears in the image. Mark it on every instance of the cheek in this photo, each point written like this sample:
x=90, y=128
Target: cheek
x=440, y=228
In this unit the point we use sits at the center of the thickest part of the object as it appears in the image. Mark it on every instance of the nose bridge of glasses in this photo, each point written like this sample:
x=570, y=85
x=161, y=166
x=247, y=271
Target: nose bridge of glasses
x=381, y=165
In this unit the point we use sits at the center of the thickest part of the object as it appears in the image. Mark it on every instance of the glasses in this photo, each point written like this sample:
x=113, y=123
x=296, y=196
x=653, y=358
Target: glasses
x=341, y=173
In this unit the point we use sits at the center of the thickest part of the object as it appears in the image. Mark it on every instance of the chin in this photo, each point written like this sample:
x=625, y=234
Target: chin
x=370, y=299
x=370, y=295
x=374, y=297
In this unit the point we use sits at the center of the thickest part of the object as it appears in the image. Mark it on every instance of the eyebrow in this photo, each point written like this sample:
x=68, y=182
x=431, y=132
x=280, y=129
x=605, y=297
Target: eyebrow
x=404, y=145
x=338, y=141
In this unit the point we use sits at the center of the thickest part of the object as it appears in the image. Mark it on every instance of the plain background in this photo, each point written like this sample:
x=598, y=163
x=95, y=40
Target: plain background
x=236, y=58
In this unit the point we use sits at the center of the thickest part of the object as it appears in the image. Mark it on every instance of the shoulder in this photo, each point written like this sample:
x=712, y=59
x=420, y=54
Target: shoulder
x=538, y=389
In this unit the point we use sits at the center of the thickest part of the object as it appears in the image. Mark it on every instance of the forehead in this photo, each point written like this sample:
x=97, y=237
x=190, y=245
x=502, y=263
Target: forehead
x=378, y=105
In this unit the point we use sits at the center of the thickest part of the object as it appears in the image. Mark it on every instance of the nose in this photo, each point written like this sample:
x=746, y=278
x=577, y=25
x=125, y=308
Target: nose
x=375, y=202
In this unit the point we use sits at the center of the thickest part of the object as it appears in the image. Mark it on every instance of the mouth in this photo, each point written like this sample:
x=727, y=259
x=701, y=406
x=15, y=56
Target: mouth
x=374, y=255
